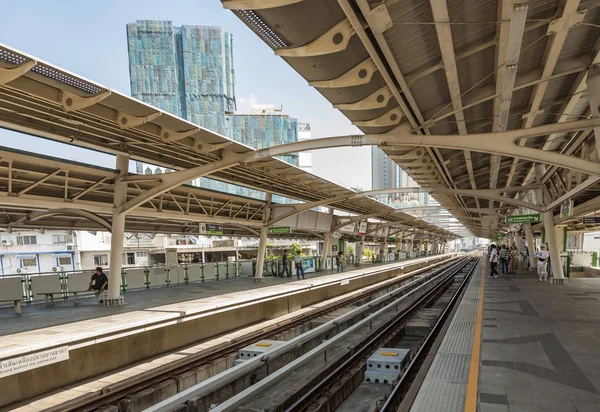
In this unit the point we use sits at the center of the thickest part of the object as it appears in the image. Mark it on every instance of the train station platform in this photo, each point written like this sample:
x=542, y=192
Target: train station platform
x=157, y=321
x=536, y=348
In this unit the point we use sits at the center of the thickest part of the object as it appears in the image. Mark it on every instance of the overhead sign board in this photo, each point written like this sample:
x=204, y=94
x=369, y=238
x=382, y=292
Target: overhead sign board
x=591, y=220
x=534, y=218
x=362, y=228
x=280, y=230
x=566, y=209
x=211, y=229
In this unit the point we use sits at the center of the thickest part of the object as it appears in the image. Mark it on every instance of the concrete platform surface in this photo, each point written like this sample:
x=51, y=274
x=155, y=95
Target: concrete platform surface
x=40, y=327
x=540, y=348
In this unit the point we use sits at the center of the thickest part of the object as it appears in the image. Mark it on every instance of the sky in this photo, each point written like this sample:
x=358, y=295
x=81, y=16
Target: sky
x=89, y=38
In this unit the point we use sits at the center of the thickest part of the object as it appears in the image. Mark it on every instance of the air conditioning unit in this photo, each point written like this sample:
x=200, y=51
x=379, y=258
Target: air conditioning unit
x=57, y=269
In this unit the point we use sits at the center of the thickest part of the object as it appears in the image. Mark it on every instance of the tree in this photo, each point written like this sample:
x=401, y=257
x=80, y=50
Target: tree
x=350, y=250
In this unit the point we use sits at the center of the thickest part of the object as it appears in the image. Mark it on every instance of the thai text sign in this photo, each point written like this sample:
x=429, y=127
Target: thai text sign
x=32, y=361
x=279, y=230
x=523, y=218
x=211, y=229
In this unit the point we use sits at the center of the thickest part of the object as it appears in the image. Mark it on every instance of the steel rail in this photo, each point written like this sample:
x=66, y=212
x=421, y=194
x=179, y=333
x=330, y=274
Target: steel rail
x=395, y=397
x=304, y=401
x=114, y=392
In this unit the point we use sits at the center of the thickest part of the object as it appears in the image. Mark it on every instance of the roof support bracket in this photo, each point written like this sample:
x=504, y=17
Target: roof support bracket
x=208, y=148
x=168, y=135
x=391, y=118
x=127, y=121
x=565, y=22
x=71, y=102
x=375, y=100
x=359, y=74
x=334, y=40
x=8, y=75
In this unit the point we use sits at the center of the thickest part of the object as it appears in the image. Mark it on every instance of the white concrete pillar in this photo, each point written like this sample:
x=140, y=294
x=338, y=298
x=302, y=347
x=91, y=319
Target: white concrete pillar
x=530, y=246
x=593, y=87
x=360, y=245
x=557, y=270
x=262, y=251
x=262, y=243
x=327, y=244
x=117, y=234
x=326, y=248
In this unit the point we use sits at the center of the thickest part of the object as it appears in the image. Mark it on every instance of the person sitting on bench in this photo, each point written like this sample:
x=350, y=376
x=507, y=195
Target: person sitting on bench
x=99, y=282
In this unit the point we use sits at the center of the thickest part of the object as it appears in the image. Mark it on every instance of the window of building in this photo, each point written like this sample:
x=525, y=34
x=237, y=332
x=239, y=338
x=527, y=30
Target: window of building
x=129, y=258
x=100, y=260
x=148, y=171
x=26, y=240
x=141, y=254
x=64, y=261
x=57, y=239
x=29, y=262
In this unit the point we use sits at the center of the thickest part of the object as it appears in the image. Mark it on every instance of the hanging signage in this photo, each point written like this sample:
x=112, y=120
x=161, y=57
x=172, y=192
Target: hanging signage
x=591, y=220
x=362, y=228
x=566, y=209
x=280, y=230
x=534, y=218
x=392, y=240
x=211, y=229
x=334, y=248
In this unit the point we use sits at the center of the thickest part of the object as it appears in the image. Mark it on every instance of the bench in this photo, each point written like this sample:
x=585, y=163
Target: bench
x=49, y=296
x=11, y=290
x=17, y=303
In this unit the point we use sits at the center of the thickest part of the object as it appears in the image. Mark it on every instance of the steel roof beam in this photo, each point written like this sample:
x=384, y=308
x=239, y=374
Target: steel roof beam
x=439, y=9
x=558, y=31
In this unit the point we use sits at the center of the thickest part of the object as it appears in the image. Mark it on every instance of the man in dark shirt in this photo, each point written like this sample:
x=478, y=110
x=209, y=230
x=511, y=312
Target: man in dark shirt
x=99, y=282
x=284, y=262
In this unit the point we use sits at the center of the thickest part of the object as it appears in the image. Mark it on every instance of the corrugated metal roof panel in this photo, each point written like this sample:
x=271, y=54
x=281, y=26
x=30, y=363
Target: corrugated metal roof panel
x=467, y=36
x=415, y=46
x=476, y=69
x=431, y=91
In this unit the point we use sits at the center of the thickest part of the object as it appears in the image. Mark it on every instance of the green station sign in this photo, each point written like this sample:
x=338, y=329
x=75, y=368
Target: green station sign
x=280, y=230
x=534, y=218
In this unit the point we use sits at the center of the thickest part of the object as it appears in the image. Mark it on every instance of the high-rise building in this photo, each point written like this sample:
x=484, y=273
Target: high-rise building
x=189, y=72
x=186, y=71
x=304, y=158
x=383, y=174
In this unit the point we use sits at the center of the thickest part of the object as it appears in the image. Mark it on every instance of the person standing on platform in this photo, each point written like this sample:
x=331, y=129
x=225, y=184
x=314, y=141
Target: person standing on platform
x=542, y=260
x=284, y=262
x=493, y=261
x=339, y=261
x=513, y=260
x=299, y=268
x=504, y=259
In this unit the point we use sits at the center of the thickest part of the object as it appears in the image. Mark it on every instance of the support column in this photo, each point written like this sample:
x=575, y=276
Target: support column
x=593, y=88
x=326, y=244
x=557, y=270
x=359, y=251
x=262, y=244
x=117, y=235
x=530, y=246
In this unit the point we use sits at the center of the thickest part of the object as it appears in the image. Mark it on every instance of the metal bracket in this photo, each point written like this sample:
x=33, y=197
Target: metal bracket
x=168, y=135
x=390, y=118
x=359, y=74
x=256, y=4
x=566, y=22
x=532, y=114
x=127, y=121
x=208, y=148
x=380, y=19
x=8, y=75
x=333, y=40
x=71, y=102
x=375, y=100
